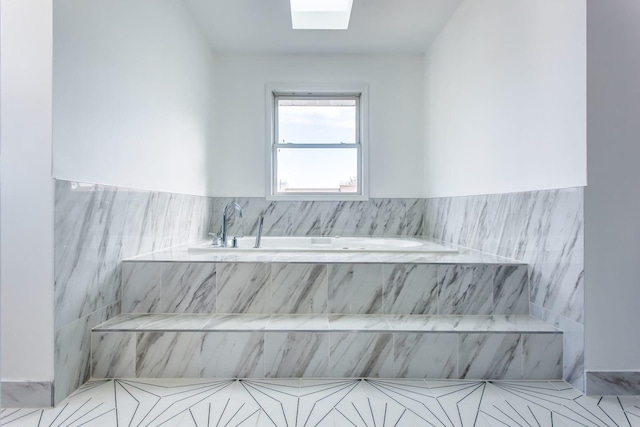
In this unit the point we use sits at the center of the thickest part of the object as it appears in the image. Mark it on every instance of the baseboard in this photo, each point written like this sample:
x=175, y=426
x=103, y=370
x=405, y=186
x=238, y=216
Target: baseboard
x=613, y=383
x=27, y=394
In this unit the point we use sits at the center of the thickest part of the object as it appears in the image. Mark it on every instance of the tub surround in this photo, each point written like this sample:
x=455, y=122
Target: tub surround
x=324, y=287
x=541, y=228
x=298, y=346
x=325, y=316
x=375, y=217
x=95, y=228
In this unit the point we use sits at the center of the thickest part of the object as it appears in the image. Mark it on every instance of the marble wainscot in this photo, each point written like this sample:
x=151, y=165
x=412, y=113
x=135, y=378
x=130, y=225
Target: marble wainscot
x=613, y=383
x=96, y=227
x=541, y=228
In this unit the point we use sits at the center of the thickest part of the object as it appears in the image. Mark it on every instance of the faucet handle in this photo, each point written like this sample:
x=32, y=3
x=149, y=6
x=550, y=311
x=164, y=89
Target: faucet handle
x=216, y=240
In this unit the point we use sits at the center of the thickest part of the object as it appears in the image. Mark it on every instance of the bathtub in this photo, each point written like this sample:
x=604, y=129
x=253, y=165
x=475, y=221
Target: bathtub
x=330, y=244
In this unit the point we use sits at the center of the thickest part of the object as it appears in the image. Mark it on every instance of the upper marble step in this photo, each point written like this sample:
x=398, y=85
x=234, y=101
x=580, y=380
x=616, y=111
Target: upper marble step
x=323, y=322
x=464, y=256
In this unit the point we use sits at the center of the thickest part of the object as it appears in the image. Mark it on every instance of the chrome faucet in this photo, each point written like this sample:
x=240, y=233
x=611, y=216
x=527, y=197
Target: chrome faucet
x=237, y=207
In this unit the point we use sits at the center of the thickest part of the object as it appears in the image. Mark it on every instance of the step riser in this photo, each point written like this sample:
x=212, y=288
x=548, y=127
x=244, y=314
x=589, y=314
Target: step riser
x=277, y=288
x=246, y=354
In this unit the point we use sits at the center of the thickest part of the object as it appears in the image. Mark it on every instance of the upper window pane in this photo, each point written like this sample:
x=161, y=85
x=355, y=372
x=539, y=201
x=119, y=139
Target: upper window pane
x=316, y=121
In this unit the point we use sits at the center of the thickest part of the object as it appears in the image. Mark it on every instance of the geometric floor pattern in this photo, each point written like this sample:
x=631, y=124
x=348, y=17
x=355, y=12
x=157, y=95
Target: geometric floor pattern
x=292, y=403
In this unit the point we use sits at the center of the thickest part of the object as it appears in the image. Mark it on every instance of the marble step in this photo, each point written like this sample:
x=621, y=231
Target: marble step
x=326, y=346
x=279, y=287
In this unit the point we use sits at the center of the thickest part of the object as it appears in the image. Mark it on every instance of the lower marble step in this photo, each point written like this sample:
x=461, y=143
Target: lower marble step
x=326, y=346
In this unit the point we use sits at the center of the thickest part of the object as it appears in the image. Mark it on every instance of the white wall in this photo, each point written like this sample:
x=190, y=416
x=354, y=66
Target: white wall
x=132, y=95
x=26, y=191
x=505, y=98
x=395, y=118
x=612, y=198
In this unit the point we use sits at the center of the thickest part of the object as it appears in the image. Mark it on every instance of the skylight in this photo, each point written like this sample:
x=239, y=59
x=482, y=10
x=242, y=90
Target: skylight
x=320, y=14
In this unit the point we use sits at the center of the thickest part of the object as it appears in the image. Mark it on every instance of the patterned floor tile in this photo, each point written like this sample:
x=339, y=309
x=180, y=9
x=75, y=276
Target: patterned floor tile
x=329, y=403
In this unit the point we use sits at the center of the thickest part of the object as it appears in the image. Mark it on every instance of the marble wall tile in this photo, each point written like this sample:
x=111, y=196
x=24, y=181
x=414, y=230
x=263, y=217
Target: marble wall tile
x=72, y=352
x=361, y=355
x=616, y=383
x=95, y=228
x=573, y=344
x=113, y=355
x=187, y=288
x=490, y=356
x=544, y=229
x=511, y=290
x=232, y=355
x=355, y=288
x=375, y=217
x=168, y=354
x=141, y=284
x=243, y=288
x=410, y=289
x=296, y=354
x=542, y=356
x=299, y=288
x=87, y=234
x=419, y=355
x=26, y=394
x=465, y=289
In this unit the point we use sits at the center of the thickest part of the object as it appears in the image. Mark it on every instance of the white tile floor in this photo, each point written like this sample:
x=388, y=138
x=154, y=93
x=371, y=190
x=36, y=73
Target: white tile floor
x=289, y=403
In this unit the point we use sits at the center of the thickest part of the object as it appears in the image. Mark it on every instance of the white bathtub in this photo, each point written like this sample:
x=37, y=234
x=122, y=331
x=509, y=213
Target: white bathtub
x=331, y=244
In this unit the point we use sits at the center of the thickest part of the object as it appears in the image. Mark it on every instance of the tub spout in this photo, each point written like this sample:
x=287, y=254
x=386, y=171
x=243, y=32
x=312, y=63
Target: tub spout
x=237, y=207
x=259, y=235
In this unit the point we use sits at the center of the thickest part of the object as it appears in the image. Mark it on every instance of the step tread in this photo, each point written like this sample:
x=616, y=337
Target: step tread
x=464, y=256
x=325, y=323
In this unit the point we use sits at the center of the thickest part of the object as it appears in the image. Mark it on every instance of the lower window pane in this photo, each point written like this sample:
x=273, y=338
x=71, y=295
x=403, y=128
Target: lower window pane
x=317, y=170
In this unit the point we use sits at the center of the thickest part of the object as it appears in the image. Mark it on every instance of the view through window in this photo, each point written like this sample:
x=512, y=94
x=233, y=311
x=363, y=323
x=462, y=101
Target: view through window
x=317, y=147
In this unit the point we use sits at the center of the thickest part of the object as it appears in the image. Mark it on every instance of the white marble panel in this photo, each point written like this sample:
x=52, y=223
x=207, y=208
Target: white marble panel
x=299, y=288
x=232, y=355
x=243, y=288
x=297, y=322
x=72, y=352
x=141, y=283
x=168, y=354
x=542, y=356
x=573, y=344
x=176, y=322
x=511, y=290
x=361, y=355
x=410, y=289
x=620, y=383
x=355, y=288
x=350, y=322
x=230, y=322
x=419, y=355
x=376, y=217
x=490, y=356
x=26, y=394
x=415, y=211
x=296, y=354
x=465, y=289
x=187, y=288
x=543, y=229
x=113, y=355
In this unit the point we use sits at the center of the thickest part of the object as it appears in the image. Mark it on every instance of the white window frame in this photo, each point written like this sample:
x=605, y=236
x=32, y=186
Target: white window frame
x=361, y=92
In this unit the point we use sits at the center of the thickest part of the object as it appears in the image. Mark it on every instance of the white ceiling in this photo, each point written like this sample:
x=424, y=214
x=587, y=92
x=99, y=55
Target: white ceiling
x=376, y=26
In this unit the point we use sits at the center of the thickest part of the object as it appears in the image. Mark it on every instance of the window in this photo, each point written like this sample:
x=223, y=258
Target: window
x=317, y=144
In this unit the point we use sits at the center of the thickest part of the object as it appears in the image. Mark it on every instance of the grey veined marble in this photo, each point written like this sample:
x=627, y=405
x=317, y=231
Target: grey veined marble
x=95, y=228
x=541, y=228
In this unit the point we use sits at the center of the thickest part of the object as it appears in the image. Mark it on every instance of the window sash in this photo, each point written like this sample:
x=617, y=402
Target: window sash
x=275, y=137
